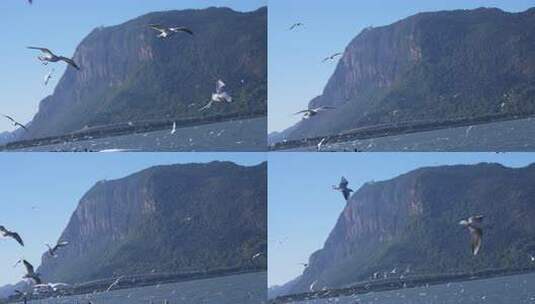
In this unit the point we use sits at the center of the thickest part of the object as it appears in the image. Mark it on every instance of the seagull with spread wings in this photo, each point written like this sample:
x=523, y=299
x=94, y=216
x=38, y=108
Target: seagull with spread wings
x=30, y=273
x=332, y=57
x=476, y=232
x=220, y=95
x=15, y=123
x=166, y=32
x=342, y=187
x=313, y=112
x=48, y=56
x=11, y=234
x=52, y=250
x=296, y=25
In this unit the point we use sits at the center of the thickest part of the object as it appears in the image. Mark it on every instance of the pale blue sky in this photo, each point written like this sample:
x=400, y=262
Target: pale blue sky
x=61, y=25
x=54, y=183
x=296, y=73
x=303, y=208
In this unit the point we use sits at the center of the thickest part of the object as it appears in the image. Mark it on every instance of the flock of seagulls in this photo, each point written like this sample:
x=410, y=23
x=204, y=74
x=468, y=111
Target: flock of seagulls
x=30, y=270
x=313, y=112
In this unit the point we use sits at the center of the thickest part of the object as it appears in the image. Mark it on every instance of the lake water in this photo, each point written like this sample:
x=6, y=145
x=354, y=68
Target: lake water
x=505, y=290
x=516, y=135
x=242, y=135
x=239, y=289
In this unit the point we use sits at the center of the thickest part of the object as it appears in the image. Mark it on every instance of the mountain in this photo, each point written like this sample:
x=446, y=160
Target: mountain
x=411, y=223
x=166, y=219
x=430, y=66
x=128, y=74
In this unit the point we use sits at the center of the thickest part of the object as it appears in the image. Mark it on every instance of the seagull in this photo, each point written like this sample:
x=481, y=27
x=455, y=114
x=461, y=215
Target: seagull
x=6, y=233
x=15, y=123
x=166, y=32
x=342, y=187
x=321, y=143
x=220, y=95
x=48, y=77
x=48, y=56
x=475, y=231
x=296, y=25
x=52, y=250
x=114, y=283
x=332, y=57
x=313, y=112
x=304, y=264
x=173, y=131
x=256, y=256
x=532, y=258
x=30, y=273
x=52, y=286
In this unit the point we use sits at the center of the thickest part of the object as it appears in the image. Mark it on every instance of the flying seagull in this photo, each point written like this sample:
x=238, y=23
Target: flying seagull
x=15, y=123
x=48, y=76
x=114, y=283
x=11, y=234
x=166, y=32
x=296, y=25
x=472, y=223
x=48, y=56
x=303, y=264
x=332, y=57
x=321, y=143
x=52, y=250
x=220, y=95
x=342, y=187
x=256, y=256
x=173, y=130
x=30, y=273
x=313, y=112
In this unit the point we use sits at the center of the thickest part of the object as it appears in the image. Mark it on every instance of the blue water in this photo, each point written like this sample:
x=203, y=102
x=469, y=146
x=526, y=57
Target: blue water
x=516, y=135
x=239, y=289
x=505, y=290
x=241, y=135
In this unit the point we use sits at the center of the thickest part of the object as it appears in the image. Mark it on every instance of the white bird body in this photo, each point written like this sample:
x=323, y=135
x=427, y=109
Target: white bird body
x=173, y=130
x=220, y=95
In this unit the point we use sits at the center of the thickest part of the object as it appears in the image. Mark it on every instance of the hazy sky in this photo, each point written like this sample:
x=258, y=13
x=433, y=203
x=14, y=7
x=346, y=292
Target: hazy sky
x=296, y=73
x=61, y=25
x=54, y=183
x=303, y=208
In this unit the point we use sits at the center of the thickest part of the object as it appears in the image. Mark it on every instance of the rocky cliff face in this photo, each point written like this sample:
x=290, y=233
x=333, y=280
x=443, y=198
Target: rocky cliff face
x=442, y=65
x=411, y=222
x=165, y=219
x=128, y=74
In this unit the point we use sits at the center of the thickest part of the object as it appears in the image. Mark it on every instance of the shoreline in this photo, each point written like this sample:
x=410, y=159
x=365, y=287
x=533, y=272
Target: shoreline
x=126, y=129
x=402, y=128
x=397, y=284
x=136, y=281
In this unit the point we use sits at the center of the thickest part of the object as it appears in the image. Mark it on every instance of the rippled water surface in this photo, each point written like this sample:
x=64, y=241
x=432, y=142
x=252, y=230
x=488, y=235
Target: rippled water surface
x=241, y=135
x=505, y=290
x=239, y=289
